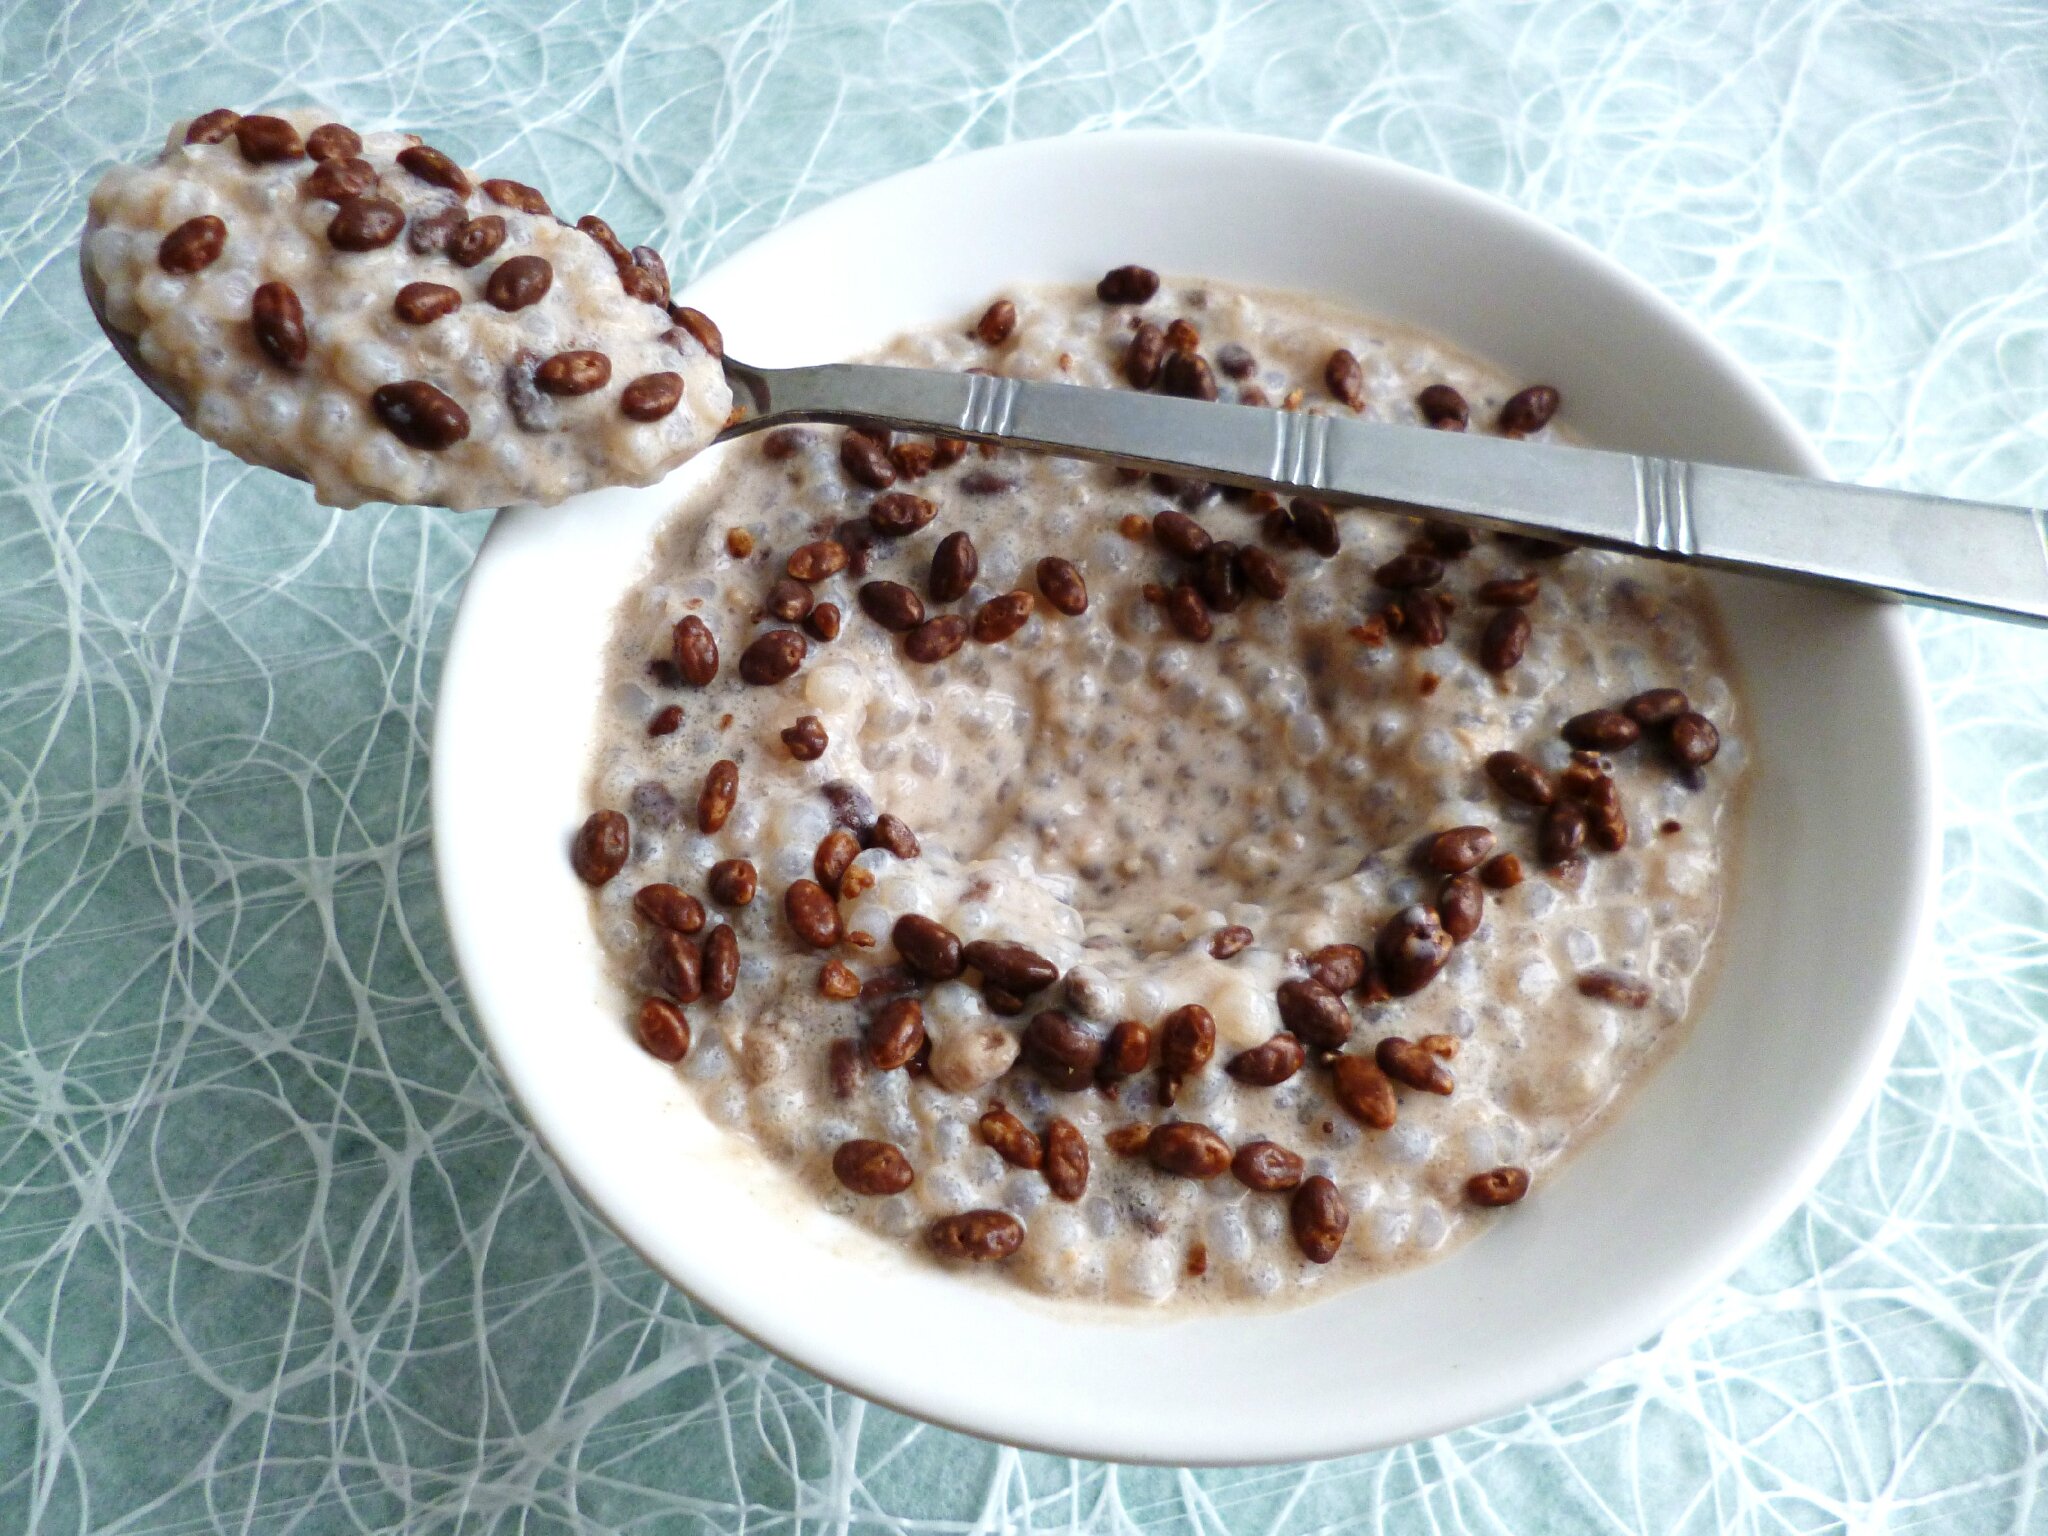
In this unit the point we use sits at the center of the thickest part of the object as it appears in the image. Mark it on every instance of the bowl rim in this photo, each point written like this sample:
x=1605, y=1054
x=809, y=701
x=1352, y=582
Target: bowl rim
x=1919, y=856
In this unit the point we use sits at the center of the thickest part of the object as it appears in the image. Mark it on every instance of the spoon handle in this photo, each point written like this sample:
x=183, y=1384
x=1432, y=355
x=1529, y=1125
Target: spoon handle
x=1976, y=557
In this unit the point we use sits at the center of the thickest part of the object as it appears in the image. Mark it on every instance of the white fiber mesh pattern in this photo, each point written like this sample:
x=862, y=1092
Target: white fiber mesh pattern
x=274, y=1251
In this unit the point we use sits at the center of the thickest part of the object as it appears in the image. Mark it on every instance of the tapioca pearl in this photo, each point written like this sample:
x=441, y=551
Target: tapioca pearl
x=275, y=413
x=898, y=1216
x=1541, y=898
x=215, y=413
x=728, y=1105
x=187, y=197
x=1102, y=1217
x=707, y=1060
x=1388, y=1228
x=1262, y=1277
x=1267, y=1219
x=1152, y=1271
x=1535, y=979
x=1022, y=1194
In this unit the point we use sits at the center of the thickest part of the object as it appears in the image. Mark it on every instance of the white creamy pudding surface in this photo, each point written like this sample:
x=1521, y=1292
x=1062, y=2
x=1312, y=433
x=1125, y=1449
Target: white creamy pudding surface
x=1141, y=890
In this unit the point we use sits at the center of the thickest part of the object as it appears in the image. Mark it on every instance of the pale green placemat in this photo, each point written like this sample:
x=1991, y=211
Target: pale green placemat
x=275, y=1254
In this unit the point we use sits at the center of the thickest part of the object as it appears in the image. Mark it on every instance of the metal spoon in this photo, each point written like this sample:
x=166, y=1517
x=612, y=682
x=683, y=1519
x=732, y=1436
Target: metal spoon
x=1972, y=556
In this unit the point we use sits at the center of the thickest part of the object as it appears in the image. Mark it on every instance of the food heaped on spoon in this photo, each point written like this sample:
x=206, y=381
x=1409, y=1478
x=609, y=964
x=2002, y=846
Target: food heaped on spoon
x=360, y=311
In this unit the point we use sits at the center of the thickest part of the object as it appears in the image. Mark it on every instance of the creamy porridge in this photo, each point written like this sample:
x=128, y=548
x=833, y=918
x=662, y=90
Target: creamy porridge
x=1143, y=889
x=359, y=311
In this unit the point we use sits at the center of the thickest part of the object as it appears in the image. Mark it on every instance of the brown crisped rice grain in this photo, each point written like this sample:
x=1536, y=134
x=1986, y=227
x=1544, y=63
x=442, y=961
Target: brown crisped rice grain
x=569, y=374
x=1461, y=906
x=651, y=396
x=817, y=560
x=665, y=720
x=1601, y=730
x=1694, y=740
x=1001, y=617
x=1269, y=1064
x=1061, y=1049
x=955, y=564
x=835, y=855
x=419, y=415
x=1178, y=534
x=192, y=246
x=1187, y=374
x=721, y=789
x=892, y=605
x=899, y=513
x=1502, y=872
x=811, y=914
x=1497, y=1186
x=1127, y=285
x=837, y=981
x=1454, y=851
x=1613, y=987
x=1339, y=967
x=1345, y=379
x=600, y=847
x=1410, y=949
x=336, y=181
x=1126, y=1053
x=997, y=323
x=1528, y=410
x=980, y=1237
x=1562, y=832
x=1511, y=592
x=279, y=322
x=1187, y=612
x=936, y=639
x=1363, y=1091
x=1014, y=967
x=1319, y=1219
x=772, y=658
x=1504, y=641
x=822, y=622
x=783, y=443
x=434, y=168
x=477, y=240
x=1060, y=583
x=212, y=127
x=1187, y=1149
x=701, y=326
x=424, y=303
x=1443, y=408
x=845, y=1067
x=1267, y=1167
x=1314, y=525
x=678, y=965
x=1181, y=335
x=669, y=906
x=1014, y=1141
x=892, y=834
x=1411, y=1066
x=1128, y=1140
x=428, y=234
x=266, y=140
x=896, y=1034
x=662, y=1029
x=517, y=194
x=1262, y=573
x=1236, y=361
x=872, y=1167
x=1187, y=1044
x=1519, y=778
x=928, y=947
x=1225, y=942
x=1657, y=706
x=789, y=600
x=695, y=651
x=1143, y=356
x=851, y=884
x=1313, y=1013
x=865, y=458
x=1066, y=1159
x=721, y=963
x=732, y=882
x=806, y=739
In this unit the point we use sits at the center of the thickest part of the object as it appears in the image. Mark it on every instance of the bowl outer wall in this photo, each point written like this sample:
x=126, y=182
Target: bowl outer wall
x=1718, y=1147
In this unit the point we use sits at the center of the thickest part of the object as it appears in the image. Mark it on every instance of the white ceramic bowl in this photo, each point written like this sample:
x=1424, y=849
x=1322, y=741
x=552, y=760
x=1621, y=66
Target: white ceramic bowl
x=1837, y=860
